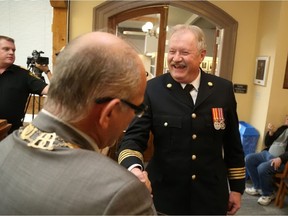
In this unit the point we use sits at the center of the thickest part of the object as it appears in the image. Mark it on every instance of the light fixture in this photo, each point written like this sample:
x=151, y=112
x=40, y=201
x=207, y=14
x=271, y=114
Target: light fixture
x=148, y=29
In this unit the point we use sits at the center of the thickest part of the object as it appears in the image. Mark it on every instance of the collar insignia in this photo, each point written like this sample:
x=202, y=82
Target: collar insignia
x=169, y=85
x=210, y=84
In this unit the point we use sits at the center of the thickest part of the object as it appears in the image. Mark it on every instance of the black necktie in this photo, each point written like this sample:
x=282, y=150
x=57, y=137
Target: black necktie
x=188, y=88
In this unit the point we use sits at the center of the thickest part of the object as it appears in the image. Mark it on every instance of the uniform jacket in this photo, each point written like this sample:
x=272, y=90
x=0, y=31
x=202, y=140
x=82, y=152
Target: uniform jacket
x=66, y=181
x=192, y=160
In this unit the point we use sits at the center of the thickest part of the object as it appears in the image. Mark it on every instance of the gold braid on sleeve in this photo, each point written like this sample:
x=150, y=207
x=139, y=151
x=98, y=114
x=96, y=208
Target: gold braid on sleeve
x=129, y=153
x=236, y=173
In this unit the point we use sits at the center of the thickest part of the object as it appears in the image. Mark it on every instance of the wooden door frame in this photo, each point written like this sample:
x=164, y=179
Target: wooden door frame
x=59, y=25
x=205, y=9
x=160, y=9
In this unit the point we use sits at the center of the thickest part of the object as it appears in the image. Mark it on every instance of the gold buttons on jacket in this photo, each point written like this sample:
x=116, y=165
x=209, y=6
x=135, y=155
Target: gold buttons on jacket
x=165, y=124
x=193, y=115
x=193, y=157
x=194, y=136
x=193, y=177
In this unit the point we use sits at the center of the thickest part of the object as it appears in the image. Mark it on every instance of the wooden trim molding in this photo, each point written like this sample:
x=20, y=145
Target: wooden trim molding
x=205, y=9
x=285, y=83
x=59, y=25
x=59, y=3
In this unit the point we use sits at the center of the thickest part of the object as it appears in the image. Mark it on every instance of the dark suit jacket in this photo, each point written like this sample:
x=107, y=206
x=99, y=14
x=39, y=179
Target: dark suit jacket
x=188, y=171
x=66, y=181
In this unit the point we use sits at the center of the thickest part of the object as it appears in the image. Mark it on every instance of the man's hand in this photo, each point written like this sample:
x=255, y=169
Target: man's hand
x=234, y=202
x=43, y=68
x=276, y=162
x=270, y=128
x=143, y=177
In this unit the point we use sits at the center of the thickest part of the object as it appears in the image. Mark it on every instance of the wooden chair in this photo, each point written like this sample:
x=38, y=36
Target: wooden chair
x=4, y=128
x=282, y=185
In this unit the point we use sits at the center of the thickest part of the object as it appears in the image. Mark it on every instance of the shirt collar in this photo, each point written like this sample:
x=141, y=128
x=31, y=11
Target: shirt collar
x=195, y=83
x=89, y=139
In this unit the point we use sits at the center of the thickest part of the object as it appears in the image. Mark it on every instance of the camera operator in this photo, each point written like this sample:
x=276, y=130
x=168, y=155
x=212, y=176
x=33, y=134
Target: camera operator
x=16, y=84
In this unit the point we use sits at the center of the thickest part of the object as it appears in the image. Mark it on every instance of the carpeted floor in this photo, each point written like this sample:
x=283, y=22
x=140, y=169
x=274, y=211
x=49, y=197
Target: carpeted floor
x=251, y=207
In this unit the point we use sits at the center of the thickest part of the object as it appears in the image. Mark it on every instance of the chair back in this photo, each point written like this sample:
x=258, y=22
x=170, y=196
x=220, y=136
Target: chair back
x=4, y=128
x=282, y=186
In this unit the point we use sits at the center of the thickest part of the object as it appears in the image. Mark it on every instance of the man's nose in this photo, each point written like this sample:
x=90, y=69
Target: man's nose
x=177, y=57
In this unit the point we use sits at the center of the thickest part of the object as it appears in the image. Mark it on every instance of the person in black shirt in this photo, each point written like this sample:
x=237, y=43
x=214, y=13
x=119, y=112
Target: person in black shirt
x=16, y=84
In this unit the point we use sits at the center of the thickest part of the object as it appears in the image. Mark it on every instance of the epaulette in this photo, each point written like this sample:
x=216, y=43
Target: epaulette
x=24, y=68
x=32, y=74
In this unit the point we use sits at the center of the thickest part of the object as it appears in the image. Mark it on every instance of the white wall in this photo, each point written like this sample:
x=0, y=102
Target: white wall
x=29, y=23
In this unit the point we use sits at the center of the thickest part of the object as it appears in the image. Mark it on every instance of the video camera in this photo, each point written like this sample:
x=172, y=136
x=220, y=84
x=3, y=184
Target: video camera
x=36, y=58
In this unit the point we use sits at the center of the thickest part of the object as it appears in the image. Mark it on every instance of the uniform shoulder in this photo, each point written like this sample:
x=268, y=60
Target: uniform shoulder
x=217, y=79
x=158, y=79
x=19, y=68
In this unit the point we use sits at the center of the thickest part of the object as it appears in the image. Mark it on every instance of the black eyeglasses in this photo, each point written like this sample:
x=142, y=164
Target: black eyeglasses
x=138, y=110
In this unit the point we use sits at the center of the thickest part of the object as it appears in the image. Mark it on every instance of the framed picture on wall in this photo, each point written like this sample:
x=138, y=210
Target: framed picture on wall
x=204, y=65
x=261, y=70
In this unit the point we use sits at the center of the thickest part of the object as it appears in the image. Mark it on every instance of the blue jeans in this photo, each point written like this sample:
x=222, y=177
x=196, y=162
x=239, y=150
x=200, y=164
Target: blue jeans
x=261, y=172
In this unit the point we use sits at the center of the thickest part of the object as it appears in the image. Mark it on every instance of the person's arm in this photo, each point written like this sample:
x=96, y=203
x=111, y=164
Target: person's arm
x=284, y=157
x=133, y=144
x=234, y=155
x=48, y=74
x=269, y=139
x=45, y=90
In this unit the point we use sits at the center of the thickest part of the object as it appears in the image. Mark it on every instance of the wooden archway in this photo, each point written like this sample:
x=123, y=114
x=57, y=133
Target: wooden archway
x=205, y=9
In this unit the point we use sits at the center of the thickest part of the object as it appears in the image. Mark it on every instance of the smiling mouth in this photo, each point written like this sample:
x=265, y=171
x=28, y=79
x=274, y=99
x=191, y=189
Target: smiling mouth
x=178, y=66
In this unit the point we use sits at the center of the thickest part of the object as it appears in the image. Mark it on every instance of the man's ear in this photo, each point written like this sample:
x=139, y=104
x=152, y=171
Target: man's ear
x=108, y=113
x=203, y=54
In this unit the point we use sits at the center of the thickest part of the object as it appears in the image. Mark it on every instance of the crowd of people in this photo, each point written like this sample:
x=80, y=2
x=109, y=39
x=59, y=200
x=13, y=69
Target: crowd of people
x=54, y=164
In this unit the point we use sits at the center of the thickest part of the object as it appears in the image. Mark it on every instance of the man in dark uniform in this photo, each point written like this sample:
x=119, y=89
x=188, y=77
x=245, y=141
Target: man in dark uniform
x=198, y=161
x=16, y=84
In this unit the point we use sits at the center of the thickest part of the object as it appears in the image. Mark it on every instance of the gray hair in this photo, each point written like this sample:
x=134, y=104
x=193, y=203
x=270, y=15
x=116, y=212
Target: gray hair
x=198, y=32
x=84, y=73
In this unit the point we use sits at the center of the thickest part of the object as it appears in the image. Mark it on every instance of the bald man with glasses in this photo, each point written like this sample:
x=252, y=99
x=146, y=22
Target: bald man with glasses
x=54, y=166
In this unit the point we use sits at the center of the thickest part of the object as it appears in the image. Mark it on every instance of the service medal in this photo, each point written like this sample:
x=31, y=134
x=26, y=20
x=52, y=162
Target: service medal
x=221, y=119
x=218, y=118
x=217, y=125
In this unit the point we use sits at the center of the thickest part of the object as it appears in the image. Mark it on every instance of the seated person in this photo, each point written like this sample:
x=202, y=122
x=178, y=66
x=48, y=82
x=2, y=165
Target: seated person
x=262, y=166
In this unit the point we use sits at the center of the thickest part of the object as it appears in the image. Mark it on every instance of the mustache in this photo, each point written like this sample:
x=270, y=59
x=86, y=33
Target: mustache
x=177, y=64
